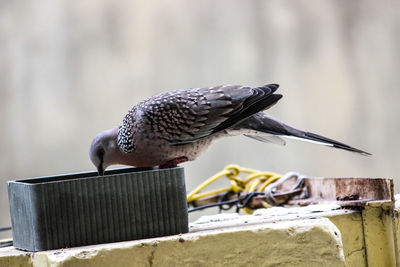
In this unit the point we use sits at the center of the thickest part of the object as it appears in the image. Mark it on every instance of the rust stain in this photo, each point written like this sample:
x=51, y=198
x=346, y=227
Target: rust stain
x=347, y=198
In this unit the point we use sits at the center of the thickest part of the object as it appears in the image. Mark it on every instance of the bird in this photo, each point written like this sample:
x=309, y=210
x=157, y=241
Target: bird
x=177, y=126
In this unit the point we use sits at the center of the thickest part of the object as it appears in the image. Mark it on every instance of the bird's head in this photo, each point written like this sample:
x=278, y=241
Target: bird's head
x=103, y=149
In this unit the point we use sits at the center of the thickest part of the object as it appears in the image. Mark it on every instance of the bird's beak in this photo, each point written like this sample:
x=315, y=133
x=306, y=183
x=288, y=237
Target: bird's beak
x=100, y=170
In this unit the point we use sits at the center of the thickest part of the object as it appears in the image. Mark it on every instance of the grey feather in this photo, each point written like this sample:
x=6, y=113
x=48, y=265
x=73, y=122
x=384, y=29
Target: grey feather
x=267, y=138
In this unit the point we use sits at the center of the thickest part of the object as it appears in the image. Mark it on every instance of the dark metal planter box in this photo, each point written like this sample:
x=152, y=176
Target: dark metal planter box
x=84, y=208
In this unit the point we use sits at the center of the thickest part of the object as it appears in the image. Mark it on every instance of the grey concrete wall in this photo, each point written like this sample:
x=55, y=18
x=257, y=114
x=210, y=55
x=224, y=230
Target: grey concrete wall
x=69, y=69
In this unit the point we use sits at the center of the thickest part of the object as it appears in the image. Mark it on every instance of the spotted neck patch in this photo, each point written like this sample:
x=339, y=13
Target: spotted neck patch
x=125, y=140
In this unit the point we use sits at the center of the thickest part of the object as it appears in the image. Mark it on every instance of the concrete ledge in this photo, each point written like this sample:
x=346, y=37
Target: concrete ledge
x=306, y=242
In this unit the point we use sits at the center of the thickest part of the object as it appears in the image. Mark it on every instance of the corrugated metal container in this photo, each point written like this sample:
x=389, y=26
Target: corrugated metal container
x=84, y=208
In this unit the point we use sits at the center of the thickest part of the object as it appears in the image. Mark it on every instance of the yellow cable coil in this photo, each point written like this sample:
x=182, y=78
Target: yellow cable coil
x=256, y=181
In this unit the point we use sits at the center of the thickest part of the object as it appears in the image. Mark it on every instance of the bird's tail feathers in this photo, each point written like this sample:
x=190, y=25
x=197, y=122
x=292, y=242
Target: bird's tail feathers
x=268, y=126
x=333, y=143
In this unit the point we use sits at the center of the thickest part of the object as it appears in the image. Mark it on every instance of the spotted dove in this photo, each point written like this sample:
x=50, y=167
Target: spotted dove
x=176, y=126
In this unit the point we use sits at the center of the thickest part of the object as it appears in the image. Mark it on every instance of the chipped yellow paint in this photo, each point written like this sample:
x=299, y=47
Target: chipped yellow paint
x=13, y=260
x=396, y=226
x=369, y=237
x=351, y=227
x=379, y=234
x=311, y=242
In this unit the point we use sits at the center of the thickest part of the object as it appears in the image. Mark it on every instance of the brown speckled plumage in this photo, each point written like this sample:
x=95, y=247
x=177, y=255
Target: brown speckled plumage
x=178, y=125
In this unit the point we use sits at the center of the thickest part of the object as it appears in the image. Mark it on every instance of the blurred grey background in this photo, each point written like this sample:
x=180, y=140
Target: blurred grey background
x=69, y=69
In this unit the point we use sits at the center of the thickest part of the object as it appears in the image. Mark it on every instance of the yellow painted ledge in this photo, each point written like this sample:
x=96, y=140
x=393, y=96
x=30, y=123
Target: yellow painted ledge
x=305, y=242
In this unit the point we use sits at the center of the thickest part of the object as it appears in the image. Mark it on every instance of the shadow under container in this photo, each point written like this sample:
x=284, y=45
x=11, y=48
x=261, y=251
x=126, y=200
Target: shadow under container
x=84, y=208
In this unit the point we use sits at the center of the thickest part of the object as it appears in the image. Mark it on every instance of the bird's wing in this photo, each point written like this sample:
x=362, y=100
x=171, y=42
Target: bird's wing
x=184, y=116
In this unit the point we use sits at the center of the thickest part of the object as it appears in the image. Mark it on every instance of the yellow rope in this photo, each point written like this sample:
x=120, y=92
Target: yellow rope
x=256, y=181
